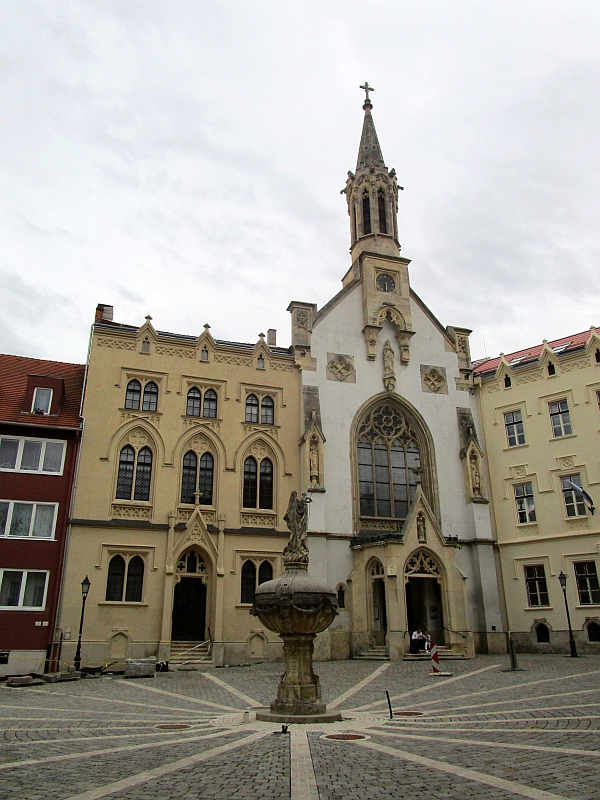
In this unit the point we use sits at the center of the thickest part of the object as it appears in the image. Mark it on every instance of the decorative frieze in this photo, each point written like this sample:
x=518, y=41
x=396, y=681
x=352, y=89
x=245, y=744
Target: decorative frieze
x=152, y=418
x=581, y=524
x=115, y=344
x=259, y=520
x=119, y=511
x=183, y=515
x=570, y=366
x=269, y=430
x=194, y=422
x=280, y=366
x=236, y=361
x=370, y=524
x=179, y=352
x=538, y=375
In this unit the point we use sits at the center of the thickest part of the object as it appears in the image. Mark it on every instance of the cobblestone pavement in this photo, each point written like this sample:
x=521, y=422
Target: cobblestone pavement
x=481, y=733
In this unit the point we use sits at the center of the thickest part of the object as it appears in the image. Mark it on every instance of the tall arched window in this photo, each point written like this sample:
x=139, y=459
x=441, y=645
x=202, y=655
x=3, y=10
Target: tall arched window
x=248, y=582
x=133, y=395
x=366, y=212
x=205, y=482
x=189, y=475
x=143, y=474
x=116, y=579
x=251, y=408
x=265, y=572
x=194, y=399
x=267, y=411
x=210, y=403
x=266, y=484
x=389, y=463
x=250, y=482
x=150, y=401
x=381, y=210
x=135, y=580
x=126, y=470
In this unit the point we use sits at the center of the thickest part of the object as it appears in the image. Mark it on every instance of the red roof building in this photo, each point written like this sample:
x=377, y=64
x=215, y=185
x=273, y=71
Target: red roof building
x=40, y=429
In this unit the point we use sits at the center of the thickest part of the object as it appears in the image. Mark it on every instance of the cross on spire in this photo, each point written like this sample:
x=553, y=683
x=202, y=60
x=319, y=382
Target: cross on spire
x=367, y=89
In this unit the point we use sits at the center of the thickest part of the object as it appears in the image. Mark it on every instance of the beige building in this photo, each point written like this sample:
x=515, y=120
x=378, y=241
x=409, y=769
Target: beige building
x=190, y=453
x=540, y=410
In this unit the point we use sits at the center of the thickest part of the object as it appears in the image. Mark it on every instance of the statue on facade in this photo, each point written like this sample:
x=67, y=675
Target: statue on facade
x=314, y=462
x=296, y=517
x=475, y=476
x=421, y=529
x=389, y=374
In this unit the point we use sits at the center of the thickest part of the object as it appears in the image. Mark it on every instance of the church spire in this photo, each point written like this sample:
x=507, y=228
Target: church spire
x=369, y=152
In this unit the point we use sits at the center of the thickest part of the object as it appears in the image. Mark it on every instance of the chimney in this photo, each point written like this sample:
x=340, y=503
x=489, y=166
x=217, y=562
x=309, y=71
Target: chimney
x=104, y=313
x=272, y=337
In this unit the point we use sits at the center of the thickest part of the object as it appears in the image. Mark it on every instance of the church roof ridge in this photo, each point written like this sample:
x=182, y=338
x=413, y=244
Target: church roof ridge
x=527, y=355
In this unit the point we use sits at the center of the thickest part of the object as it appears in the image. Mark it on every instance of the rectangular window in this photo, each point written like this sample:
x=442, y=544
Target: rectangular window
x=586, y=576
x=513, y=422
x=27, y=520
x=537, y=591
x=525, y=503
x=42, y=400
x=23, y=589
x=560, y=418
x=574, y=505
x=46, y=456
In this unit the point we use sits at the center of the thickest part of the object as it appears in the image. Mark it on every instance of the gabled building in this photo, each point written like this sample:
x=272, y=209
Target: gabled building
x=40, y=430
x=540, y=409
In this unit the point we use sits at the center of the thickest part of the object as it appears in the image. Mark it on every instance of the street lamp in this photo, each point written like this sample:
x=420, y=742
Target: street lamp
x=563, y=582
x=85, y=588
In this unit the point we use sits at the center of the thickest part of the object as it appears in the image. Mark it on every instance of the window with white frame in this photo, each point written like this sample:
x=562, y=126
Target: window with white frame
x=586, y=575
x=513, y=423
x=574, y=505
x=525, y=502
x=27, y=520
x=23, y=589
x=32, y=455
x=537, y=589
x=42, y=400
x=560, y=418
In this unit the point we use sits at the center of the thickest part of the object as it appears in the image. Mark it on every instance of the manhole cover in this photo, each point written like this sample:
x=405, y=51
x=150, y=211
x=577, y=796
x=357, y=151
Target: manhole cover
x=345, y=737
x=173, y=726
x=408, y=713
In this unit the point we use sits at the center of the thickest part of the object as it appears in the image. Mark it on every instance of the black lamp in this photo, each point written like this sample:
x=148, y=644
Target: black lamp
x=562, y=578
x=85, y=588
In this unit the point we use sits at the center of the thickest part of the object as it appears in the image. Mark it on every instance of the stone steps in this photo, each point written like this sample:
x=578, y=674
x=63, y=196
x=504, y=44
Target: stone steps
x=187, y=655
x=444, y=654
x=377, y=653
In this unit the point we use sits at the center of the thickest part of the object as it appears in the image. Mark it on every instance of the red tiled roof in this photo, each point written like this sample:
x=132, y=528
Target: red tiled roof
x=13, y=383
x=577, y=340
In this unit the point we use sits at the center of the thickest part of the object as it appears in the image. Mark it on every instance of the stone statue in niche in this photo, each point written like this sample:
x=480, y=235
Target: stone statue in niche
x=389, y=374
x=475, y=475
x=314, y=461
x=421, y=529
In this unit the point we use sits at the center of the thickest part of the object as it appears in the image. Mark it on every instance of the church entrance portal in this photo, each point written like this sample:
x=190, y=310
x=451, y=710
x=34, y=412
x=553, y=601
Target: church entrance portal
x=189, y=611
x=424, y=607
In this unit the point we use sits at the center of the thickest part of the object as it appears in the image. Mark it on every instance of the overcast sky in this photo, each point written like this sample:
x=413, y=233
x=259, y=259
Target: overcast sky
x=184, y=159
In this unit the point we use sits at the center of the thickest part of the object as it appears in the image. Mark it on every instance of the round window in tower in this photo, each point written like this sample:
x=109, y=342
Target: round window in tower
x=385, y=282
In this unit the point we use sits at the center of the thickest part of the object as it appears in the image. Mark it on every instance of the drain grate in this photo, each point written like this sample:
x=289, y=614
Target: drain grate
x=173, y=726
x=345, y=737
x=408, y=713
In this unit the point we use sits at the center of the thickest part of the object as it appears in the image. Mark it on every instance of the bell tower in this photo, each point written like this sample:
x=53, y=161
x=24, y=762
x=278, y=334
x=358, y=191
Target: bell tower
x=372, y=197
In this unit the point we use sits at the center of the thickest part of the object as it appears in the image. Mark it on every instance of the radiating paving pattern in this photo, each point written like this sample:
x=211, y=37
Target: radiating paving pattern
x=482, y=733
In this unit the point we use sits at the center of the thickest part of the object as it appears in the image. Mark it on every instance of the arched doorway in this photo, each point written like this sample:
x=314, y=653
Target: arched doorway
x=424, y=607
x=376, y=577
x=189, y=599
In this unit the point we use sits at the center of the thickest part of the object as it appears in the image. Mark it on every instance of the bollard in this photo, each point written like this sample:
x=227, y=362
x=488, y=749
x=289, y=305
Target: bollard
x=387, y=694
x=514, y=666
x=435, y=665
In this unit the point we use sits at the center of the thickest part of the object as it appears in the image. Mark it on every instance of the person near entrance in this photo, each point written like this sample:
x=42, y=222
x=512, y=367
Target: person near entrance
x=427, y=638
x=417, y=641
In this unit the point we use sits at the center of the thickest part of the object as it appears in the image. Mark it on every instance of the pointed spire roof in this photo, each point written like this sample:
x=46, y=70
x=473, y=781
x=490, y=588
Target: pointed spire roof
x=369, y=151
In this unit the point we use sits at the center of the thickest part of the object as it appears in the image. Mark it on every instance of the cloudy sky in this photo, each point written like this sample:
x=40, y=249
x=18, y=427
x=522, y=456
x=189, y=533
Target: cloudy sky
x=184, y=158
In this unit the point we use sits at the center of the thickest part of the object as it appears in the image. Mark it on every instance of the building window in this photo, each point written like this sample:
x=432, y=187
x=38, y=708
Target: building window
x=190, y=482
x=248, y=582
x=513, y=423
x=525, y=503
x=381, y=210
x=125, y=576
x=260, y=362
x=189, y=475
x=42, y=400
x=366, y=212
x=194, y=400
x=341, y=597
x=551, y=369
x=560, y=418
x=574, y=505
x=542, y=633
x=23, y=589
x=27, y=520
x=146, y=346
x=265, y=572
x=258, y=483
x=507, y=382
x=250, y=482
x=266, y=484
x=133, y=395
x=128, y=468
x=251, y=408
x=267, y=411
x=586, y=576
x=593, y=630
x=535, y=580
x=204, y=354
x=210, y=404
x=150, y=401
x=32, y=455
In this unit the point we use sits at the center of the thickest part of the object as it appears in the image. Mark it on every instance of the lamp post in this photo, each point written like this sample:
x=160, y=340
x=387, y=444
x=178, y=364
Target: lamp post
x=85, y=587
x=563, y=582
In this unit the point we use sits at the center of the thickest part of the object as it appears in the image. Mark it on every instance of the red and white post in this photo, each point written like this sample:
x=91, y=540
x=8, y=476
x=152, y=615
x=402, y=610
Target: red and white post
x=435, y=664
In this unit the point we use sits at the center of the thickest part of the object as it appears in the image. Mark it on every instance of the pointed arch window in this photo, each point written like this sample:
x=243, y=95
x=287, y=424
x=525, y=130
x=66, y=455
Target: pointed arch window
x=189, y=476
x=248, y=582
x=266, y=484
x=366, y=212
x=194, y=400
x=381, y=211
x=133, y=395
x=143, y=474
x=389, y=461
x=192, y=480
x=116, y=578
x=126, y=471
x=135, y=474
x=210, y=404
x=150, y=401
x=265, y=572
x=250, y=482
x=267, y=411
x=252, y=408
x=135, y=580
x=129, y=577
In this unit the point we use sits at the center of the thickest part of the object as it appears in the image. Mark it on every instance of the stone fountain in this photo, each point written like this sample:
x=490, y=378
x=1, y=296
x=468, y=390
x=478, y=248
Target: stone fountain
x=297, y=607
